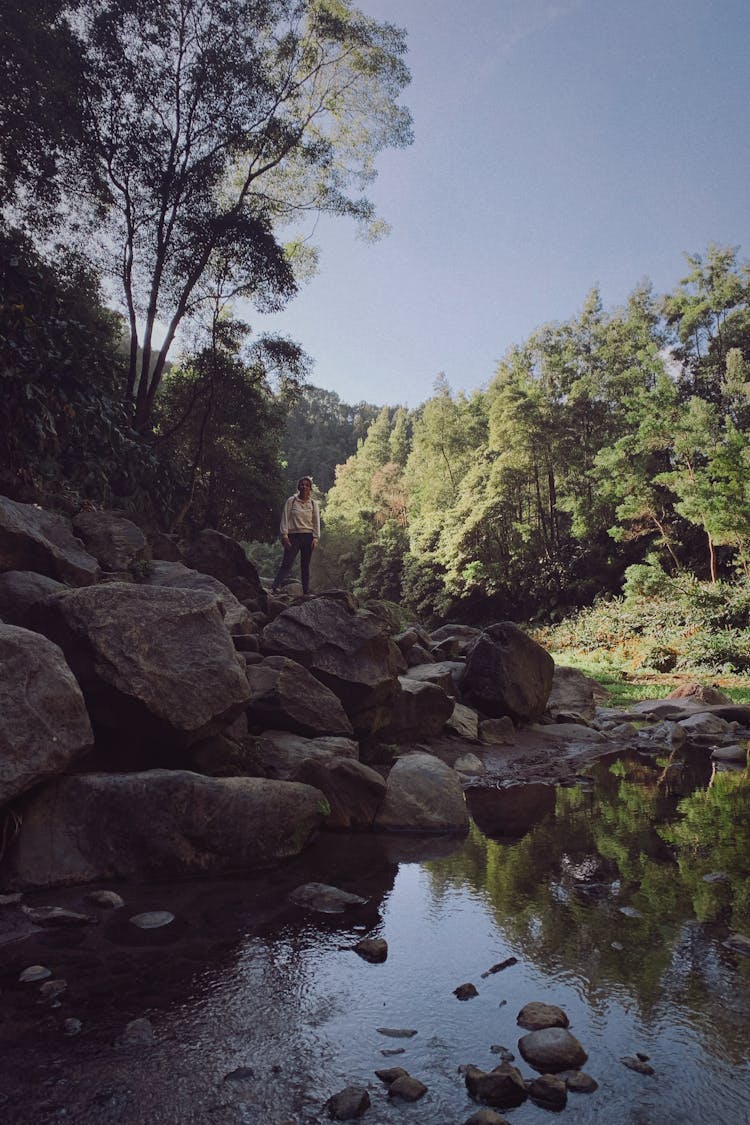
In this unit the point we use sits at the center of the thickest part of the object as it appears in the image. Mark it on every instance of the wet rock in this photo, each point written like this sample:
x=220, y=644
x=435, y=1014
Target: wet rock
x=240, y=1074
x=34, y=973
x=348, y=1104
x=72, y=1026
x=486, y=1117
x=107, y=900
x=396, y=1032
x=407, y=1088
x=536, y=1015
x=390, y=1074
x=152, y=919
x=465, y=991
x=632, y=1062
x=423, y=795
x=137, y=1033
x=551, y=1050
x=734, y=753
x=503, y=1086
x=503, y=1052
x=390, y=1052
x=52, y=989
x=549, y=1091
x=56, y=916
x=498, y=968
x=738, y=943
x=578, y=1082
x=374, y=950
x=324, y=899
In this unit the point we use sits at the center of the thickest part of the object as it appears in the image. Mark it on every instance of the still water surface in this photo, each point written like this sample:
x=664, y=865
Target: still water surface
x=261, y=1010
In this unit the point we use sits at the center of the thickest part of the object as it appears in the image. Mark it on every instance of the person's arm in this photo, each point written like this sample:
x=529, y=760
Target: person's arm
x=284, y=525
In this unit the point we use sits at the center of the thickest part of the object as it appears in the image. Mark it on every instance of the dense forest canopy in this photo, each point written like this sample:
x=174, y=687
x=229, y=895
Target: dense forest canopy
x=156, y=159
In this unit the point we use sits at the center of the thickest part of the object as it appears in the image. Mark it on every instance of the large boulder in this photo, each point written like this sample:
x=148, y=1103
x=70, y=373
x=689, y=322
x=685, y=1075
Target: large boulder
x=423, y=795
x=282, y=752
x=20, y=590
x=115, y=542
x=157, y=663
x=348, y=651
x=32, y=539
x=420, y=710
x=44, y=725
x=574, y=694
x=224, y=558
x=177, y=576
x=159, y=824
x=446, y=674
x=507, y=673
x=285, y=696
x=353, y=790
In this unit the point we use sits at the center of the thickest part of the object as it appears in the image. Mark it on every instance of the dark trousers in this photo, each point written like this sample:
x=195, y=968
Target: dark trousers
x=300, y=543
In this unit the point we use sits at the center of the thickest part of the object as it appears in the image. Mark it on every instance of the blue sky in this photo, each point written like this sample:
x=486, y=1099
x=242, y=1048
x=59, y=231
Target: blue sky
x=560, y=144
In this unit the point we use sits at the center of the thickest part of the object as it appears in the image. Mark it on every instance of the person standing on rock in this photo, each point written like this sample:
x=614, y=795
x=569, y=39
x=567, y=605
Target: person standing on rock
x=300, y=532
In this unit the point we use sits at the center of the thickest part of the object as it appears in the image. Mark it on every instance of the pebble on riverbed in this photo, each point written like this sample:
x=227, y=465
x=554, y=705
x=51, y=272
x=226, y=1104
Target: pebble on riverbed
x=348, y=1103
x=374, y=950
x=536, y=1015
x=638, y=1065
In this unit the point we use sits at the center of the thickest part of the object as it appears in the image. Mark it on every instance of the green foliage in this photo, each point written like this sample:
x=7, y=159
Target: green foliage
x=64, y=426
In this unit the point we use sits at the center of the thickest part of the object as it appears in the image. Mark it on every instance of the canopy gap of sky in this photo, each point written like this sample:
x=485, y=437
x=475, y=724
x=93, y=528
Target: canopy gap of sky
x=560, y=145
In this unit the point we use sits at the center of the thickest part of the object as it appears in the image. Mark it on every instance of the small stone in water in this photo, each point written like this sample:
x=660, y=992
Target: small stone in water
x=374, y=950
x=137, y=1032
x=500, y=966
x=72, y=1027
x=503, y=1052
x=34, y=973
x=396, y=1032
x=53, y=988
x=578, y=1082
x=241, y=1074
x=617, y=945
x=348, y=1103
x=388, y=1052
x=640, y=1055
x=465, y=991
x=630, y=912
x=390, y=1074
x=636, y=1064
x=408, y=1088
x=108, y=900
x=152, y=919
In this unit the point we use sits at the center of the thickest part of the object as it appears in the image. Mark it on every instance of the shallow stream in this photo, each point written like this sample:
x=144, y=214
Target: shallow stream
x=615, y=901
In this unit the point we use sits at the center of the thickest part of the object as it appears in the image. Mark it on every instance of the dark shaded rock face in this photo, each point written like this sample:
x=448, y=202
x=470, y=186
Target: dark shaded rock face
x=44, y=725
x=158, y=663
x=158, y=824
x=285, y=696
x=177, y=576
x=420, y=710
x=20, y=590
x=353, y=790
x=511, y=811
x=507, y=673
x=349, y=652
x=31, y=539
x=223, y=558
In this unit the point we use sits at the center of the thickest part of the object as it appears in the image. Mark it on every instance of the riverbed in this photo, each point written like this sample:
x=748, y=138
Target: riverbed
x=616, y=901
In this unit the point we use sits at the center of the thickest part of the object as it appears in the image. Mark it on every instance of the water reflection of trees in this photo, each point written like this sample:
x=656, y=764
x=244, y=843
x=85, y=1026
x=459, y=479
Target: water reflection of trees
x=633, y=842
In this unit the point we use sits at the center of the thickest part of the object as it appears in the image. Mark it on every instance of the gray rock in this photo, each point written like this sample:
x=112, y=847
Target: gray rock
x=735, y=753
x=107, y=900
x=283, y=752
x=407, y=1088
x=323, y=899
x=640, y=1066
x=536, y=1015
x=444, y=674
x=159, y=824
x=115, y=542
x=390, y=1074
x=158, y=663
x=348, y=1103
x=464, y=721
x=551, y=1050
x=396, y=1032
x=549, y=1090
x=32, y=539
x=177, y=576
x=152, y=919
x=706, y=727
x=507, y=673
x=20, y=590
x=420, y=711
x=285, y=696
x=503, y=1086
x=486, y=1117
x=578, y=1082
x=423, y=795
x=137, y=1033
x=572, y=691
x=469, y=764
x=497, y=732
x=348, y=651
x=224, y=558
x=34, y=973
x=374, y=950
x=44, y=725
x=353, y=790
x=49, y=916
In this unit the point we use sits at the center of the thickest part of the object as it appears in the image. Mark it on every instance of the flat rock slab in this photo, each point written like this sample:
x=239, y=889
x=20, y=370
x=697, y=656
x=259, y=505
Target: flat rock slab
x=323, y=899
